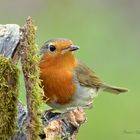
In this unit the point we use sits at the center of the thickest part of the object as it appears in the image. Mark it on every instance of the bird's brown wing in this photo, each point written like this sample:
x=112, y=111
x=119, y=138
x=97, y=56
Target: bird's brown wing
x=87, y=77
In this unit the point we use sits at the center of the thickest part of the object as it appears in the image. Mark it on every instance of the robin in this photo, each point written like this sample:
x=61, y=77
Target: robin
x=66, y=81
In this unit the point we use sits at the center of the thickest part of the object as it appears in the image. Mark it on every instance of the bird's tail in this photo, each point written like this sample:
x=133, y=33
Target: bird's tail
x=114, y=89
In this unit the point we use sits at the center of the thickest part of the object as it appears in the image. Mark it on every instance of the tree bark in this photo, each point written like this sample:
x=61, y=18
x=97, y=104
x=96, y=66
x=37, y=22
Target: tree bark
x=63, y=126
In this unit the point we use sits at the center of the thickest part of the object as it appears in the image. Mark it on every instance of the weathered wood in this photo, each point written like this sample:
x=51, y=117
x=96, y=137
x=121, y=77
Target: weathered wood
x=64, y=126
x=9, y=39
x=56, y=125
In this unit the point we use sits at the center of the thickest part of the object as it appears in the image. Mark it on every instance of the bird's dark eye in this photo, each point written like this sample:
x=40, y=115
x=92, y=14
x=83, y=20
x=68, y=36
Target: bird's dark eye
x=52, y=48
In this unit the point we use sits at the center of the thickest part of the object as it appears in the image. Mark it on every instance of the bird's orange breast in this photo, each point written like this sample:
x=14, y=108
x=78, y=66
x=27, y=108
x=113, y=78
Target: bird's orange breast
x=58, y=80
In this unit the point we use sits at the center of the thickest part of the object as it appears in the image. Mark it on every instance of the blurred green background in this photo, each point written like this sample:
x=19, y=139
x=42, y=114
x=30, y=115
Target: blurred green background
x=108, y=32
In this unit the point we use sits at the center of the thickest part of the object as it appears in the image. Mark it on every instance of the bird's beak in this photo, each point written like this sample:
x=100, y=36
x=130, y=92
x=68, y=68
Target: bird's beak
x=71, y=48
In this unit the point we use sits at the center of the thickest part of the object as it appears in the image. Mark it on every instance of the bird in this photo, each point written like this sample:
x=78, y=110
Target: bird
x=66, y=81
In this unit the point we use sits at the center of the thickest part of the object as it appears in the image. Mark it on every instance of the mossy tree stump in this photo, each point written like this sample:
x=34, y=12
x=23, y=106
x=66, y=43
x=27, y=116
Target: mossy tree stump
x=18, y=42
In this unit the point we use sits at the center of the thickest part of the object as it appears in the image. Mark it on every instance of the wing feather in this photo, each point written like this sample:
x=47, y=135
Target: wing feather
x=87, y=77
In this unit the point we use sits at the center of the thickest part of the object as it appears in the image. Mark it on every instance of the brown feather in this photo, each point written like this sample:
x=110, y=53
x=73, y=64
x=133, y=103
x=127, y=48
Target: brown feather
x=88, y=78
x=113, y=89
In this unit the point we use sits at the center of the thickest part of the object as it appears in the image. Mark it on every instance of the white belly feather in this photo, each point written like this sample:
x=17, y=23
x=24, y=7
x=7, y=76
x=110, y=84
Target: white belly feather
x=83, y=97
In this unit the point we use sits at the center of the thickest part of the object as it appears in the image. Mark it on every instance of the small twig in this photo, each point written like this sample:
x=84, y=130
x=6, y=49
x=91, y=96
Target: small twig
x=29, y=61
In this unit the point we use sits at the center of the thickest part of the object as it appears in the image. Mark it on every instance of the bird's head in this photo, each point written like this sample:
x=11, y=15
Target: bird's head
x=58, y=47
x=58, y=53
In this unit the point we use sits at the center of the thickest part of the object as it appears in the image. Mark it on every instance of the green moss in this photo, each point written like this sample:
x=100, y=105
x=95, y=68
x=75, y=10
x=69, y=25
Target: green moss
x=32, y=70
x=58, y=138
x=9, y=92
